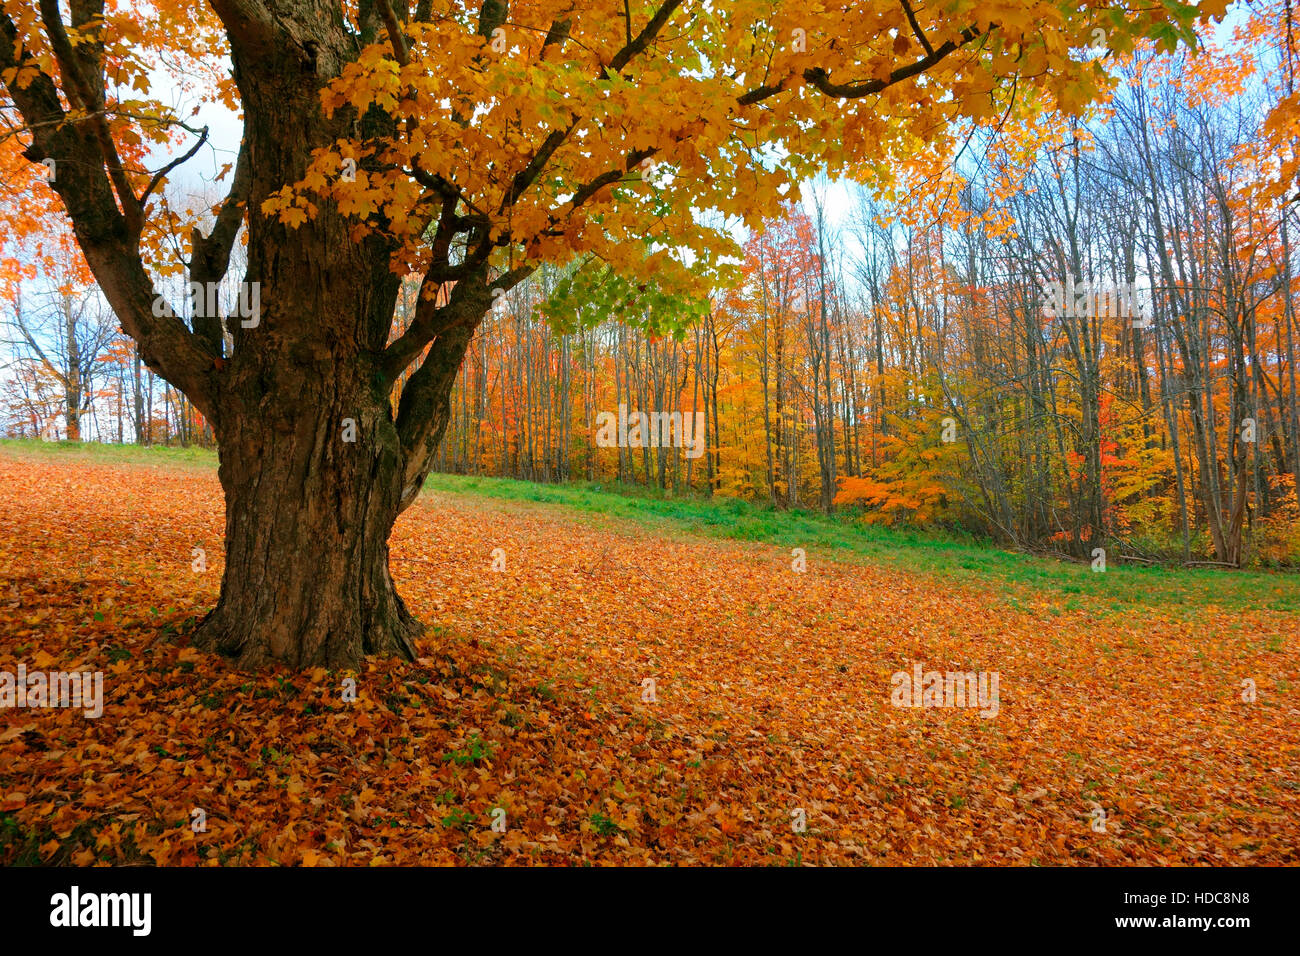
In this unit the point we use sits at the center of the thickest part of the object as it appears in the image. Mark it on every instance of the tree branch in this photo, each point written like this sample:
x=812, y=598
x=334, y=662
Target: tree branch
x=159, y=176
x=83, y=96
x=108, y=240
x=470, y=300
x=624, y=56
x=395, y=35
x=211, y=253
x=557, y=34
x=492, y=15
x=916, y=27
x=819, y=79
x=556, y=138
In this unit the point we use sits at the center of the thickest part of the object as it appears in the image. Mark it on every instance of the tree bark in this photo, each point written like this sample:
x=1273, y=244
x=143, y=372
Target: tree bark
x=308, y=516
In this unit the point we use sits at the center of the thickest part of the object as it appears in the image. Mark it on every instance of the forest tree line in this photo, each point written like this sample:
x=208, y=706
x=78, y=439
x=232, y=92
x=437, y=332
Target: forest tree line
x=905, y=353
x=907, y=358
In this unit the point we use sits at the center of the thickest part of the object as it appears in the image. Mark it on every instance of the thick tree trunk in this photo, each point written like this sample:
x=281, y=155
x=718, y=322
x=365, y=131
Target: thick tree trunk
x=316, y=464
x=308, y=516
x=311, y=464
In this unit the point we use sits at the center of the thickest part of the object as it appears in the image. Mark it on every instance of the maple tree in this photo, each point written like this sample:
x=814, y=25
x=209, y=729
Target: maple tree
x=773, y=695
x=467, y=144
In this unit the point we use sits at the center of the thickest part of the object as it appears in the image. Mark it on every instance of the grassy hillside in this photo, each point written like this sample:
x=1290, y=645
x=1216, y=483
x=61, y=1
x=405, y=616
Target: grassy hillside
x=1022, y=580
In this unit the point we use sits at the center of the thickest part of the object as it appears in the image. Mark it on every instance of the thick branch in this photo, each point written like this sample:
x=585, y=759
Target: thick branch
x=609, y=178
x=469, y=302
x=423, y=414
x=395, y=35
x=211, y=253
x=491, y=15
x=820, y=79
x=250, y=27
x=81, y=94
x=643, y=39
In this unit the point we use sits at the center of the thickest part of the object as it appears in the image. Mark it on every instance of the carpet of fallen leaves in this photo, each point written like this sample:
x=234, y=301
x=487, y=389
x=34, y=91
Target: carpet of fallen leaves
x=772, y=695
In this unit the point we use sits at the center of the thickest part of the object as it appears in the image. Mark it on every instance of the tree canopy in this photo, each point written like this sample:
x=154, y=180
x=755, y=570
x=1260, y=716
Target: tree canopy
x=466, y=145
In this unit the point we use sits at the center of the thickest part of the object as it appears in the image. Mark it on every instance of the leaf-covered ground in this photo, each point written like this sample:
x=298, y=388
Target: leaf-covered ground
x=772, y=696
